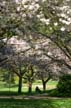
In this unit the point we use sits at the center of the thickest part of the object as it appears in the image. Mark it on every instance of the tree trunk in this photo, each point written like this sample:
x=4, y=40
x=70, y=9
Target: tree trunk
x=20, y=85
x=30, y=87
x=44, y=86
x=44, y=82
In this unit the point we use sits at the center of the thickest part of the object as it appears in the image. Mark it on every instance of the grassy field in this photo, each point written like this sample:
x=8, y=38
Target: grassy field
x=35, y=103
x=48, y=102
x=50, y=85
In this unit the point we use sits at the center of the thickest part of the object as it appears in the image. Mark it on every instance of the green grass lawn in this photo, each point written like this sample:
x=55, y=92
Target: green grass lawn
x=12, y=90
x=32, y=103
x=35, y=103
x=50, y=85
x=6, y=89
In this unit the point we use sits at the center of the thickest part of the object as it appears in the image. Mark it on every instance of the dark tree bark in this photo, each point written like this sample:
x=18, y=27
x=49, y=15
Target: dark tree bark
x=30, y=87
x=44, y=82
x=20, y=85
x=44, y=85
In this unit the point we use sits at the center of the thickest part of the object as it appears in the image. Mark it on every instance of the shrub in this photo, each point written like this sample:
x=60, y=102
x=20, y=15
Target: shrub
x=64, y=85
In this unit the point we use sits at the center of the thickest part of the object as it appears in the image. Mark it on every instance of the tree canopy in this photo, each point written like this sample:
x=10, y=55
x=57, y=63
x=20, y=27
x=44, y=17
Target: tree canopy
x=51, y=19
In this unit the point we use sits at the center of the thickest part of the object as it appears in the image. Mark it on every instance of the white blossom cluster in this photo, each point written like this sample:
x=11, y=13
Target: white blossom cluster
x=27, y=7
x=31, y=8
x=34, y=9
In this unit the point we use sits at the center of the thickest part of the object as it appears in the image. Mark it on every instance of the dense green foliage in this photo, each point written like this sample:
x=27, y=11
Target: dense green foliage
x=64, y=85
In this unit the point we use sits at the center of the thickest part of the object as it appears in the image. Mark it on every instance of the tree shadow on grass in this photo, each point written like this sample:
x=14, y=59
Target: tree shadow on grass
x=47, y=93
x=8, y=93
x=26, y=103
